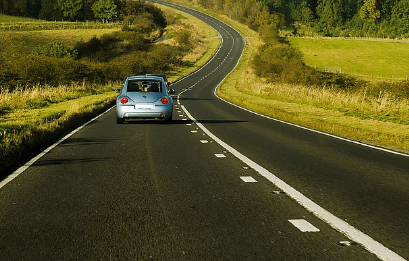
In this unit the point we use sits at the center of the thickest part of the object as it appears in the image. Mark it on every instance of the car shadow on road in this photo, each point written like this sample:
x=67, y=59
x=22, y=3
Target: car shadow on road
x=180, y=122
x=68, y=161
x=195, y=99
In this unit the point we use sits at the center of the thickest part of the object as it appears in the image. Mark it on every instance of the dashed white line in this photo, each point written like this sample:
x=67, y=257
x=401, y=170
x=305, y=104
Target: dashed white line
x=220, y=155
x=248, y=179
x=340, y=225
x=303, y=225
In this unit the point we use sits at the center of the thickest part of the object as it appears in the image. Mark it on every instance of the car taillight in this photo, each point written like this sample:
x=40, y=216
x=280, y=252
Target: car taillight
x=124, y=100
x=164, y=101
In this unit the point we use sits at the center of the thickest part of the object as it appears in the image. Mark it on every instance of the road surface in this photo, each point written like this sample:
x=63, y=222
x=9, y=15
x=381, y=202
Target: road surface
x=220, y=183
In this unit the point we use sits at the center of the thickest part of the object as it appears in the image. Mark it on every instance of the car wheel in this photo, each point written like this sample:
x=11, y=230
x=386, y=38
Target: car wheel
x=119, y=120
x=169, y=120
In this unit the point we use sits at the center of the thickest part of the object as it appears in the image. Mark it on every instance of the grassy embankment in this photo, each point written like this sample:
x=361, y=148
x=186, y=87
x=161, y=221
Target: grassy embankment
x=370, y=60
x=32, y=117
x=381, y=121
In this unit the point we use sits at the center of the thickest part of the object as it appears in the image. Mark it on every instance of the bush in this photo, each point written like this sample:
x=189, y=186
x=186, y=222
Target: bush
x=282, y=63
x=273, y=60
x=55, y=49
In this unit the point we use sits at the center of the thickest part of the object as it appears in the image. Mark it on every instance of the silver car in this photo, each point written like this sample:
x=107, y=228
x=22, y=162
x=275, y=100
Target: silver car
x=144, y=97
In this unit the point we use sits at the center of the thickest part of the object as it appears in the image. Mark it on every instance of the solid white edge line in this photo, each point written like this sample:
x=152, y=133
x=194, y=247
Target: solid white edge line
x=33, y=160
x=352, y=233
x=312, y=130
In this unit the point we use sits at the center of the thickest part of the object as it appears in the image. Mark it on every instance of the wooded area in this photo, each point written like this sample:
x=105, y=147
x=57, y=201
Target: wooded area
x=77, y=10
x=369, y=18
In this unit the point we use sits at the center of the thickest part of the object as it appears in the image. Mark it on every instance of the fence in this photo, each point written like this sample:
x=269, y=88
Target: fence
x=46, y=25
x=339, y=70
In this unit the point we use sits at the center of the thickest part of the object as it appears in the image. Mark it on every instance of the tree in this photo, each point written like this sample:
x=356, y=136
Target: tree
x=70, y=8
x=105, y=9
x=330, y=13
x=369, y=11
x=48, y=11
x=400, y=16
x=385, y=6
x=301, y=12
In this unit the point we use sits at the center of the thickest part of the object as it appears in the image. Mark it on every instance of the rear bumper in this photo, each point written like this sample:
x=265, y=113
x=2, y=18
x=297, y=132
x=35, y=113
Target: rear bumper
x=160, y=111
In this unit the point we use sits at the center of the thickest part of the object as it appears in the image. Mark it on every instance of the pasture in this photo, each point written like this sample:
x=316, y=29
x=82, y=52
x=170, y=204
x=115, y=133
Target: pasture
x=369, y=59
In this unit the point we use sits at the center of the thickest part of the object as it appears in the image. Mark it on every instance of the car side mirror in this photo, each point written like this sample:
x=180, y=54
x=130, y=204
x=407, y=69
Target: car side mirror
x=171, y=91
x=118, y=90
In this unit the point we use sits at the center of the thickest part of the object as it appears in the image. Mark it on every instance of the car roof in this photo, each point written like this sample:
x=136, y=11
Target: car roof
x=163, y=75
x=145, y=77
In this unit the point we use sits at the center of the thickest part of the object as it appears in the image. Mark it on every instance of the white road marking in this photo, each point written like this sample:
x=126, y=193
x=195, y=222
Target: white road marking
x=33, y=160
x=352, y=233
x=220, y=155
x=204, y=141
x=248, y=179
x=193, y=131
x=303, y=225
x=312, y=130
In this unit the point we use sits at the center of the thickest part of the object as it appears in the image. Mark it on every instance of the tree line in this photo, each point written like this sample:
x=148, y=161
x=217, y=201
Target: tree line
x=370, y=18
x=73, y=10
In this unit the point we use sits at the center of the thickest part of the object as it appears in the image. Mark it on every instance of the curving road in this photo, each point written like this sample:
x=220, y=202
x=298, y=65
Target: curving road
x=220, y=183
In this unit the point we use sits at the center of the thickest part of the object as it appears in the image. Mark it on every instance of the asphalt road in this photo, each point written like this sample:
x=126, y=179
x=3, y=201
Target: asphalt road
x=210, y=186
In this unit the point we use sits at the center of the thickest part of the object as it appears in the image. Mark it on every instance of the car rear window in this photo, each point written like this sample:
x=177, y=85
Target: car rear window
x=144, y=86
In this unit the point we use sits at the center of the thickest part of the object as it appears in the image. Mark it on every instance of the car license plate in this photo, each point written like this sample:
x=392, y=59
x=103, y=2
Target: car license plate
x=145, y=106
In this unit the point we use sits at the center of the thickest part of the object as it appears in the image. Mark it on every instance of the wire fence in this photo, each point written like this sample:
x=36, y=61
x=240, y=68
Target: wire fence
x=55, y=25
x=371, y=76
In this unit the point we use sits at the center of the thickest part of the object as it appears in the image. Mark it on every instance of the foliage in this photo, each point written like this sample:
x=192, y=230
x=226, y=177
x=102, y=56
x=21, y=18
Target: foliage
x=369, y=11
x=69, y=8
x=105, y=9
x=132, y=8
x=56, y=49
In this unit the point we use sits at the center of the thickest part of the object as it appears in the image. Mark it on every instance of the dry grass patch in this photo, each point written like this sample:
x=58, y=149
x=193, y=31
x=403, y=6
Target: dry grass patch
x=343, y=114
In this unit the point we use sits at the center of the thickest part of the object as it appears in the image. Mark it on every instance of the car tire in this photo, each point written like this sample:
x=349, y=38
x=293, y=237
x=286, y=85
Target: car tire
x=119, y=120
x=169, y=119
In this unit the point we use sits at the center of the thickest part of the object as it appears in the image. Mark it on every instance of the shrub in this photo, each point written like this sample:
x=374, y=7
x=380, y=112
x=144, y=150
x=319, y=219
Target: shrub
x=55, y=49
x=282, y=63
x=86, y=49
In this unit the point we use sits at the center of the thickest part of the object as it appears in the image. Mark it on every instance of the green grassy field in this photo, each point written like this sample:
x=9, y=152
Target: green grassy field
x=369, y=59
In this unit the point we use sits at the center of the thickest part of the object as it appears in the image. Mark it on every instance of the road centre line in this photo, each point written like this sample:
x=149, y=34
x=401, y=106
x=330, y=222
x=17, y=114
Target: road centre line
x=303, y=225
x=340, y=225
x=248, y=179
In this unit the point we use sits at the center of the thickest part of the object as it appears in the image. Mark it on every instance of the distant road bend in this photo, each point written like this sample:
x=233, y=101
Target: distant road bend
x=220, y=183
